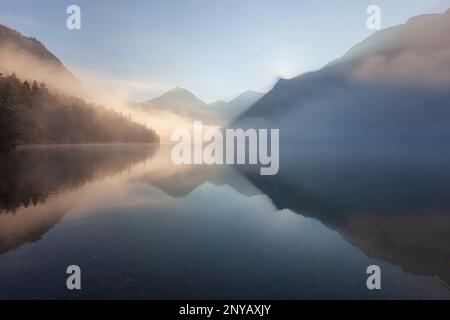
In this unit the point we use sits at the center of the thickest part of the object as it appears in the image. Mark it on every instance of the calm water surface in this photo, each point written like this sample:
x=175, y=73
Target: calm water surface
x=140, y=227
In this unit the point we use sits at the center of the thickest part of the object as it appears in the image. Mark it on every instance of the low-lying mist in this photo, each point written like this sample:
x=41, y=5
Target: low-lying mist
x=112, y=93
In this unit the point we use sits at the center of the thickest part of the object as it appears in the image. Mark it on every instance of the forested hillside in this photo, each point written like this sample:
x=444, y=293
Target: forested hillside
x=31, y=114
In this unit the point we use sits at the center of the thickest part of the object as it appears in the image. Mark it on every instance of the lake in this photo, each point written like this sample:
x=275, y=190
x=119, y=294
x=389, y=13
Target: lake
x=140, y=227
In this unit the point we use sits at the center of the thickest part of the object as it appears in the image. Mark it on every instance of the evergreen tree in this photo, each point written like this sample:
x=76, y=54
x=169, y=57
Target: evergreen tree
x=8, y=133
x=35, y=88
x=33, y=114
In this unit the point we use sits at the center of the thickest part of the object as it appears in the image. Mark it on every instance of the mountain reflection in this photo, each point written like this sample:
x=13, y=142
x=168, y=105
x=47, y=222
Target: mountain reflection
x=393, y=207
x=180, y=180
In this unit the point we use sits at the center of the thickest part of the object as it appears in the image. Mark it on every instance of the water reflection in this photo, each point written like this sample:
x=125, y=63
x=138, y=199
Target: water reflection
x=31, y=174
x=39, y=185
x=147, y=228
x=394, y=207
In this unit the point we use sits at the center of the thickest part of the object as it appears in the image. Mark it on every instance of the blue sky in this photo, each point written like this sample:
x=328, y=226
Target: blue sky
x=214, y=48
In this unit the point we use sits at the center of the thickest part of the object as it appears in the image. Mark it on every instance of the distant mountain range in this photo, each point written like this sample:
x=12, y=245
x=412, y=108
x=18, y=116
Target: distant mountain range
x=391, y=89
x=183, y=103
x=179, y=101
x=31, y=60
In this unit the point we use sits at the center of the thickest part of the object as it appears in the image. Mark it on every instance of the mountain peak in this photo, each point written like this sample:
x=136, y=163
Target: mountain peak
x=180, y=101
x=249, y=94
x=178, y=95
x=179, y=89
x=252, y=92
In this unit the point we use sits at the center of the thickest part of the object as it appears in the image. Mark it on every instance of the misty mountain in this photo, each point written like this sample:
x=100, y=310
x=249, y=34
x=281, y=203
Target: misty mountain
x=228, y=111
x=40, y=101
x=31, y=60
x=390, y=89
x=181, y=102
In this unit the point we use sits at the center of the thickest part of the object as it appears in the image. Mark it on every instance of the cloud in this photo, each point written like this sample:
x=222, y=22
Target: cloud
x=419, y=55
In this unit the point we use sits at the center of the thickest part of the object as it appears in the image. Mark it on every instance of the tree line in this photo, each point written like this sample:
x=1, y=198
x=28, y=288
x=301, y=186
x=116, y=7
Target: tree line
x=31, y=114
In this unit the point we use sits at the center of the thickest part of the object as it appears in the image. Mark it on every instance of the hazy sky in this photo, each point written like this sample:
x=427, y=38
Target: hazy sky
x=214, y=48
